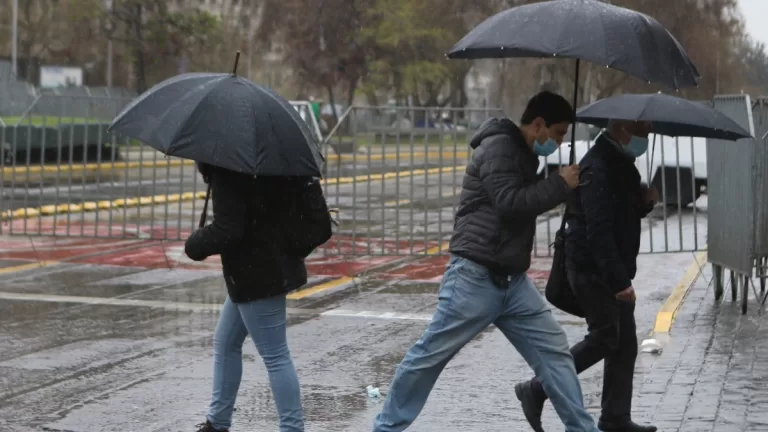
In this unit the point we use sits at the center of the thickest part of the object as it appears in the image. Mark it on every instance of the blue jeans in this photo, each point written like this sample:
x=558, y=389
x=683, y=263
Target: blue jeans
x=468, y=303
x=264, y=320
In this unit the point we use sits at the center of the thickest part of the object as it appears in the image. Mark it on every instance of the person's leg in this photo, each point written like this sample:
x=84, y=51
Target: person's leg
x=467, y=303
x=601, y=311
x=266, y=323
x=618, y=378
x=528, y=323
x=227, y=365
x=619, y=369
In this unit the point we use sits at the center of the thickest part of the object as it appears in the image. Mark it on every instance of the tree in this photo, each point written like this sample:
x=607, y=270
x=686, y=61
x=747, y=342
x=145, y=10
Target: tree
x=322, y=40
x=411, y=40
x=755, y=63
x=148, y=29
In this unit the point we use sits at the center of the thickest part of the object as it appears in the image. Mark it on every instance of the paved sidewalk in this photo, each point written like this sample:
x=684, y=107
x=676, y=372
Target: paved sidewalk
x=713, y=373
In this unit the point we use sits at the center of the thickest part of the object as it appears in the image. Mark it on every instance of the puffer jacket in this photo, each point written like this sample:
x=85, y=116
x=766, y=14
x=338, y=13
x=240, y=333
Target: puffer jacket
x=247, y=231
x=501, y=197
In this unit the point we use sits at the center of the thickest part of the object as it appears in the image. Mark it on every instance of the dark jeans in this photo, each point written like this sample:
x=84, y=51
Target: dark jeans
x=612, y=337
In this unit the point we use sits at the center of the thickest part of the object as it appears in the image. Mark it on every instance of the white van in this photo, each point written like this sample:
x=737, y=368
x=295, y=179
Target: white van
x=683, y=155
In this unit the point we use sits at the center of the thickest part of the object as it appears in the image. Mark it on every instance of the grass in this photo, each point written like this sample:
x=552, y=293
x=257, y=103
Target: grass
x=35, y=120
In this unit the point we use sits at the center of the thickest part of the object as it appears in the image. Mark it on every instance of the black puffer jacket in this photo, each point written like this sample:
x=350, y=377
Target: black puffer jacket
x=501, y=197
x=247, y=232
x=603, y=230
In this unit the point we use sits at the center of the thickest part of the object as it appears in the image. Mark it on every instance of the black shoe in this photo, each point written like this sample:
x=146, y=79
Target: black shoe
x=208, y=427
x=532, y=405
x=627, y=426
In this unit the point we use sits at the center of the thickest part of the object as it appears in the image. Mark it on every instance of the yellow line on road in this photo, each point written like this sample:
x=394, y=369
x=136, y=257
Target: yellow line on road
x=151, y=164
x=28, y=266
x=666, y=315
x=90, y=206
x=319, y=288
x=437, y=249
x=94, y=167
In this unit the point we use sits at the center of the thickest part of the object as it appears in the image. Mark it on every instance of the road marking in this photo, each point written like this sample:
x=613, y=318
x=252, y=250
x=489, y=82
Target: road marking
x=175, y=163
x=435, y=250
x=377, y=315
x=300, y=294
x=95, y=167
x=89, y=206
x=28, y=266
x=402, y=202
x=666, y=315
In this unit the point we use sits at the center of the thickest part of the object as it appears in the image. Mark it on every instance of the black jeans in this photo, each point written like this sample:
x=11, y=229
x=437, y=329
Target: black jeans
x=612, y=336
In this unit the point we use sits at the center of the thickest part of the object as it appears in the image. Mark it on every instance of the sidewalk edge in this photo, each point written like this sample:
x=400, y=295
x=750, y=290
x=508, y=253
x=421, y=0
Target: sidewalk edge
x=666, y=315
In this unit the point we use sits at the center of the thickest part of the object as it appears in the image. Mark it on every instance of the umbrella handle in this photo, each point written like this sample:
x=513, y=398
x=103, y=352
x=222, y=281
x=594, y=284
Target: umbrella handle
x=205, y=207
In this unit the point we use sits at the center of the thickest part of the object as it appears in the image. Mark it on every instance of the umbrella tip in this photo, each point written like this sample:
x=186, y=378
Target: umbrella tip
x=237, y=60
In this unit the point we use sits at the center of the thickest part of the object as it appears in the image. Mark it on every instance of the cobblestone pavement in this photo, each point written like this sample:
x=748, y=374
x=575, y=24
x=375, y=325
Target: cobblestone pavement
x=713, y=373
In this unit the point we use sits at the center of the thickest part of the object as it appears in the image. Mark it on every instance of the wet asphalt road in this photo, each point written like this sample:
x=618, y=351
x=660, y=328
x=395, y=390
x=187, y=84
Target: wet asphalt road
x=136, y=182
x=131, y=367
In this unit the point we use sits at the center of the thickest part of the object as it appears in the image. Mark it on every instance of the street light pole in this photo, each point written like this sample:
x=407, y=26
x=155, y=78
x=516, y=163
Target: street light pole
x=15, y=38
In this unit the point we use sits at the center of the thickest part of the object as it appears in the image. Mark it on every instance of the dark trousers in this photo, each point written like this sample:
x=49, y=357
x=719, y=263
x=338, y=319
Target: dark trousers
x=612, y=337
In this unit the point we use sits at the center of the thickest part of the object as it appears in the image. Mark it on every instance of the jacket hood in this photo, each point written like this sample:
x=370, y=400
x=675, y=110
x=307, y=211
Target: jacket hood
x=495, y=126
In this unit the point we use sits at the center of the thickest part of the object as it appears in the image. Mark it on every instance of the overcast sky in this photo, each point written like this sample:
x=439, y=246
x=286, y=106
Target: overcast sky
x=755, y=14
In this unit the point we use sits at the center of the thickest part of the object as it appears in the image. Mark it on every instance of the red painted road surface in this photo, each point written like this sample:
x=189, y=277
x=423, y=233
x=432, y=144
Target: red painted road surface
x=341, y=256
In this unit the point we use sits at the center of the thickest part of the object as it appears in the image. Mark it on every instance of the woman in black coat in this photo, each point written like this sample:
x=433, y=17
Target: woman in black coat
x=247, y=231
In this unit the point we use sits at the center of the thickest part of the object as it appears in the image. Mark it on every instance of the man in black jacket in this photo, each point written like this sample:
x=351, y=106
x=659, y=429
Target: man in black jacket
x=485, y=282
x=602, y=243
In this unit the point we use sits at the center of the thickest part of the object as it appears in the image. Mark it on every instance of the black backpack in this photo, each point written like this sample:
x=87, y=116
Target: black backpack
x=308, y=219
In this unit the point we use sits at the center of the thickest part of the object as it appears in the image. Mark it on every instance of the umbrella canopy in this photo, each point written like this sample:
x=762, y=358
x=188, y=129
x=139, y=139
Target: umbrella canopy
x=590, y=30
x=670, y=115
x=223, y=120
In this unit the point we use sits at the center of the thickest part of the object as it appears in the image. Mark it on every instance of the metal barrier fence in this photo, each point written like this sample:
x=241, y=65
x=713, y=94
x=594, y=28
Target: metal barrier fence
x=393, y=172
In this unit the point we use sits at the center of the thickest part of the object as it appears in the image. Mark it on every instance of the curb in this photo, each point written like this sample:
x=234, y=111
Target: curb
x=91, y=206
x=666, y=315
x=94, y=167
x=110, y=166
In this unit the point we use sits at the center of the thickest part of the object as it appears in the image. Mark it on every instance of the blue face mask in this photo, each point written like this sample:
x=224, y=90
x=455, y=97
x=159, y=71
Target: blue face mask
x=637, y=146
x=546, y=149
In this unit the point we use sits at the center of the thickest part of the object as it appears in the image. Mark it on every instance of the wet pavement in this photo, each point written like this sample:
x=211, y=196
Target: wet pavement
x=123, y=182
x=91, y=346
x=713, y=373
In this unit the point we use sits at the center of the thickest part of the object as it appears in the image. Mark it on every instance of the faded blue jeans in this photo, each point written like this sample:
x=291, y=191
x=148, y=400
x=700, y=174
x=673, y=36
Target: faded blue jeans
x=468, y=303
x=264, y=320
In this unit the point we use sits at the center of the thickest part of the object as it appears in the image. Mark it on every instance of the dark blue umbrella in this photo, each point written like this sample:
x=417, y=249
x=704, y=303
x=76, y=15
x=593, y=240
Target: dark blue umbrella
x=670, y=115
x=223, y=120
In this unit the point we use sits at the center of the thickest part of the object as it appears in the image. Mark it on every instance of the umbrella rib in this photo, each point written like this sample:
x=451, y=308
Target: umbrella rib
x=191, y=115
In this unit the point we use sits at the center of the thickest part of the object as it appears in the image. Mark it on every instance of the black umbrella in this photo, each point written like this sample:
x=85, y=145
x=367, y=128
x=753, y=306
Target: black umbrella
x=591, y=30
x=223, y=120
x=670, y=115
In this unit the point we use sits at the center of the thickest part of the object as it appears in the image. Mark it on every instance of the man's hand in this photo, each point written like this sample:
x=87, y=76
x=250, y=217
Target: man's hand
x=628, y=295
x=650, y=195
x=571, y=175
